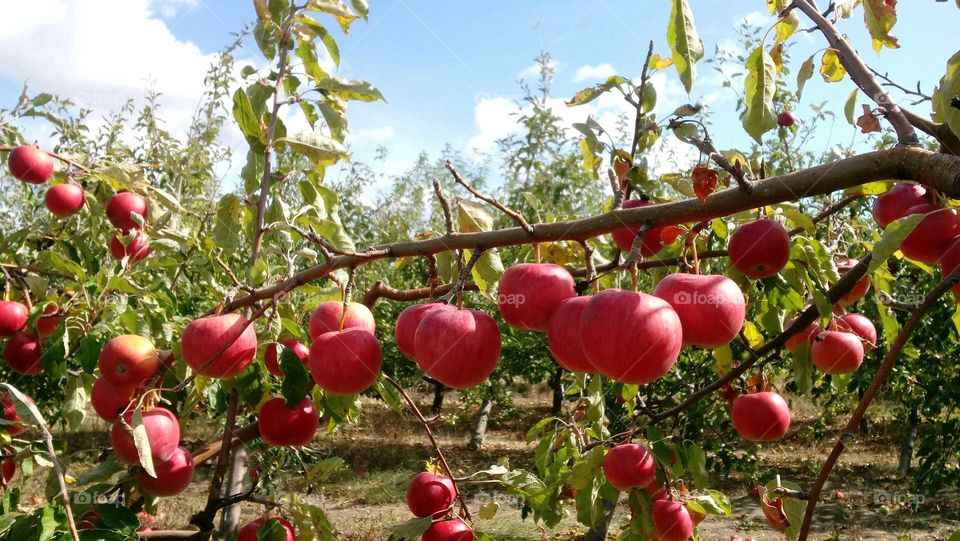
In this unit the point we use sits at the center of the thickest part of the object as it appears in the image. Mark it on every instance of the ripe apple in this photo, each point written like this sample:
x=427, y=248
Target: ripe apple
x=652, y=242
x=22, y=354
x=894, y=204
x=173, y=475
x=294, y=427
x=806, y=335
x=860, y=326
x=129, y=360
x=836, y=352
x=786, y=119
x=454, y=529
x=950, y=261
x=13, y=318
x=430, y=495
x=64, y=199
x=710, y=306
x=203, y=342
x=109, y=399
x=859, y=290
x=933, y=235
x=345, y=362
x=630, y=337
x=409, y=320
x=563, y=335
x=759, y=249
x=671, y=521
x=47, y=324
x=630, y=465
x=8, y=470
x=136, y=248
x=458, y=348
x=529, y=292
x=163, y=433
x=30, y=164
x=761, y=416
x=249, y=532
x=327, y=316
x=10, y=414
x=122, y=205
x=271, y=357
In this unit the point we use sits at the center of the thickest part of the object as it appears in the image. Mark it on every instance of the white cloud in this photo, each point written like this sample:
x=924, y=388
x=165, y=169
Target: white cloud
x=757, y=18
x=533, y=70
x=170, y=8
x=373, y=135
x=585, y=73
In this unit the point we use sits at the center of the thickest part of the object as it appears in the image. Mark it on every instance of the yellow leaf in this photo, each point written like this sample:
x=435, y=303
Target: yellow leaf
x=787, y=26
x=489, y=510
x=658, y=62
x=776, y=53
x=830, y=67
x=752, y=334
x=880, y=16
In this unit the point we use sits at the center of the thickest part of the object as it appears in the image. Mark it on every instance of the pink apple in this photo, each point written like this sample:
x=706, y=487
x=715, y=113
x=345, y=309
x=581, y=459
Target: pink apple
x=409, y=320
x=64, y=199
x=203, y=342
x=129, y=360
x=894, y=204
x=249, y=532
x=284, y=426
x=327, y=318
x=173, y=475
x=836, y=352
x=136, y=248
x=671, y=521
x=652, y=242
x=430, y=495
x=761, y=416
x=271, y=355
x=933, y=235
x=458, y=348
x=454, y=529
x=563, y=335
x=759, y=249
x=860, y=326
x=163, y=433
x=22, y=354
x=13, y=318
x=710, y=306
x=630, y=465
x=30, y=164
x=859, y=290
x=345, y=362
x=529, y=292
x=109, y=400
x=122, y=205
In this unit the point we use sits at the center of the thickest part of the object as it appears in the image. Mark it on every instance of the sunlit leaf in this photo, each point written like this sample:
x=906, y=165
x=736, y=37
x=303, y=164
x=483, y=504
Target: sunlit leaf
x=880, y=16
x=760, y=85
x=684, y=42
x=830, y=67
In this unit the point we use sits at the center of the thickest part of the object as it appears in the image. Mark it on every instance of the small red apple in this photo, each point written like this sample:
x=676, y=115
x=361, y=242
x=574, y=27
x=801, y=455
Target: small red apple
x=630, y=465
x=203, y=341
x=283, y=426
x=136, y=248
x=249, y=532
x=652, y=242
x=710, y=306
x=671, y=521
x=630, y=337
x=759, y=249
x=129, y=360
x=859, y=290
x=327, y=316
x=786, y=119
x=109, y=400
x=271, y=357
x=47, y=324
x=458, y=348
x=430, y=495
x=64, y=199
x=454, y=529
x=30, y=164
x=806, y=335
x=409, y=320
x=163, y=433
x=345, y=362
x=10, y=414
x=122, y=205
x=563, y=335
x=173, y=475
x=13, y=318
x=22, y=354
x=836, y=352
x=529, y=292
x=762, y=416
x=933, y=235
x=860, y=326
x=894, y=204
x=8, y=470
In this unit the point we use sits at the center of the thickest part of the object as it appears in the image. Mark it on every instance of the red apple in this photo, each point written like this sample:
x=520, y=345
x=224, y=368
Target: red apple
x=786, y=119
x=204, y=345
x=294, y=427
x=8, y=470
x=759, y=249
x=10, y=414
x=454, y=529
x=409, y=320
x=109, y=400
x=950, y=261
x=806, y=335
x=860, y=326
x=136, y=248
x=529, y=292
x=30, y=164
x=47, y=324
x=761, y=416
x=710, y=306
x=23, y=353
x=563, y=335
x=64, y=199
x=630, y=337
x=163, y=433
x=671, y=521
x=345, y=362
x=249, y=532
x=129, y=360
x=859, y=290
x=271, y=356
x=430, y=495
x=652, y=242
x=327, y=316
x=894, y=204
x=630, y=465
x=458, y=348
x=933, y=235
x=173, y=475
x=836, y=352
x=122, y=205
x=13, y=318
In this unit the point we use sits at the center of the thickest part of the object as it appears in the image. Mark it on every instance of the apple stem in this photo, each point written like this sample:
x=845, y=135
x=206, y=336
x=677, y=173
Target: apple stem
x=536, y=250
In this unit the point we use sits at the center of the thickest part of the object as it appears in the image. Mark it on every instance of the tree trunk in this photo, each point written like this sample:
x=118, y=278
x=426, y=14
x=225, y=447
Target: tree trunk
x=906, y=449
x=438, y=390
x=480, y=429
x=599, y=532
x=556, y=383
x=864, y=425
x=230, y=520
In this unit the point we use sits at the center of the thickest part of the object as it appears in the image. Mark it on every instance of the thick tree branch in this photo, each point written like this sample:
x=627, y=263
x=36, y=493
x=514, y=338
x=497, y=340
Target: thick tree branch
x=381, y=290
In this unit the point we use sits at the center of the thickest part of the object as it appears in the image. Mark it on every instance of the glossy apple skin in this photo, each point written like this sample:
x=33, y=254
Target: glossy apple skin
x=173, y=475
x=458, y=348
x=64, y=199
x=204, y=338
x=108, y=399
x=859, y=290
x=326, y=318
x=137, y=249
x=860, y=326
x=835, y=352
x=409, y=320
x=762, y=416
x=894, y=204
x=48, y=321
x=448, y=530
x=249, y=532
x=529, y=292
x=10, y=414
x=129, y=360
x=933, y=235
x=950, y=261
x=13, y=318
x=163, y=433
x=22, y=354
x=711, y=307
x=630, y=337
x=630, y=465
x=30, y=164
x=345, y=362
x=652, y=243
x=759, y=249
x=271, y=355
x=671, y=521
x=122, y=205
x=283, y=426
x=430, y=495
x=806, y=335
x=563, y=335
x=786, y=119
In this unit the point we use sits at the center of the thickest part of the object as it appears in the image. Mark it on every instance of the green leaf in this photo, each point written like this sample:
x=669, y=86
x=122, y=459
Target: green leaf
x=760, y=85
x=246, y=119
x=316, y=29
x=684, y=42
x=334, y=115
x=306, y=51
x=142, y=442
x=786, y=27
x=803, y=368
x=361, y=7
x=411, y=529
x=317, y=148
x=697, y=464
x=473, y=217
x=880, y=16
x=50, y=259
x=267, y=35
x=589, y=94
x=350, y=90
x=850, y=107
x=486, y=273
x=296, y=379
x=337, y=8
x=893, y=237
x=804, y=75
x=714, y=502
x=948, y=88
x=227, y=229
x=74, y=407
x=25, y=407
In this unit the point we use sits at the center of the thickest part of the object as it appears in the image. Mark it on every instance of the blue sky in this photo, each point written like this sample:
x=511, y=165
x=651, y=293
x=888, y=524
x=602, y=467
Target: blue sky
x=448, y=69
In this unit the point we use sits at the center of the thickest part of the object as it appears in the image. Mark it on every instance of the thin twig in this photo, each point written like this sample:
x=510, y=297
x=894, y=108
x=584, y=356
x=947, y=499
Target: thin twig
x=707, y=147
x=514, y=215
x=462, y=279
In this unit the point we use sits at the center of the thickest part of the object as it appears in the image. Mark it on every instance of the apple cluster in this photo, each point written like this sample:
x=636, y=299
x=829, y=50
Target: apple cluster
x=431, y=495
